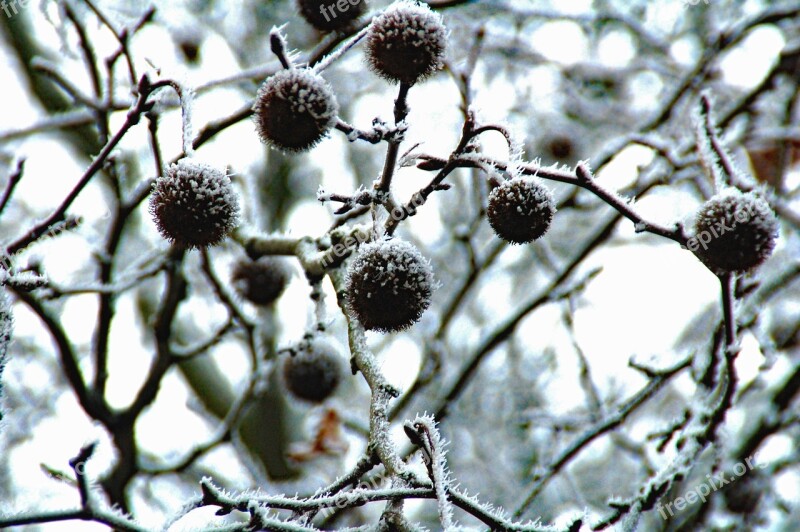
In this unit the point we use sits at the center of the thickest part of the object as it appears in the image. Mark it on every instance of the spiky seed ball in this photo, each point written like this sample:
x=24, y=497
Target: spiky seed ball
x=520, y=210
x=406, y=43
x=329, y=15
x=313, y=372
x=194, y=205
x=260, y=281
x=734, y=232
x=389, y=285
x=294, y=109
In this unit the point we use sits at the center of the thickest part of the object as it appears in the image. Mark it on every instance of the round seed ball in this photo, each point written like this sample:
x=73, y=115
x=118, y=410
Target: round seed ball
x=294, y=110
x=314, y=371
x=389, y=285
x=734, y=232
x=329, y=15
x=560, y=147
x=260, y=281
x=406, y=43
x=194, y=204
x=520, y=210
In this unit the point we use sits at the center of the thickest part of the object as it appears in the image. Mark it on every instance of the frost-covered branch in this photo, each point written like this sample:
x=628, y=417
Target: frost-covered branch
x=487, y=54
x=13, y=180
x=382, y=392
x=142, y=105
x=422, y=432
x=581, y=176
x=90, y=510
x=610, y=422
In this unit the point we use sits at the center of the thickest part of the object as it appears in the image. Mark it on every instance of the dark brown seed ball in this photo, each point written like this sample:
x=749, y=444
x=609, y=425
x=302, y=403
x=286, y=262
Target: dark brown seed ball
x=313, y=372
x=520, y=210
x=744, y=495
x=389, y=285
x=194, y=205
x=329, y=15
x=734, y=232
x=260, y=281
x=560, y=147
x=294, y=110
x=190, y=49
x=406, y=43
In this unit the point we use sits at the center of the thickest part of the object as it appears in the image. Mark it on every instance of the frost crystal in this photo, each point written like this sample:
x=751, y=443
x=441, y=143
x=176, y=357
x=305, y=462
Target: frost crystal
x=423, y=431
x=714, y=155
x=187, y=102
x=389, y=285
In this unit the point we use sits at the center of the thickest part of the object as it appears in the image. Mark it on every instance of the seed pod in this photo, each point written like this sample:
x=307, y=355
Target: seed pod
x=744, y=496
x=313, y=372
x=294, y=110
x=329, y=15
x=520, y=210
x=260, y=281
x=406, y=43
x=559, y=146
x=734, y=232
x=389, y=285
x=194, y=205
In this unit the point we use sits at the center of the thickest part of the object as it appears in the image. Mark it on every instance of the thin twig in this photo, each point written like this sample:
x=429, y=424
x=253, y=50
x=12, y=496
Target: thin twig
x=609, y=423
x=13, y=181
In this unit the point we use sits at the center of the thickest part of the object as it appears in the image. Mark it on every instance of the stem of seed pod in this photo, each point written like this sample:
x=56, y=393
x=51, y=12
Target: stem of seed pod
x=186, y=96
x=187, y=99
x=384, y=186
x=727, y=282
x=277, y=44
x=723, y=159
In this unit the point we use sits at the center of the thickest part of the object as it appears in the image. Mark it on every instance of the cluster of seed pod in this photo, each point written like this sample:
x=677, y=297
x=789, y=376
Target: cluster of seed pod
x=389, y=283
